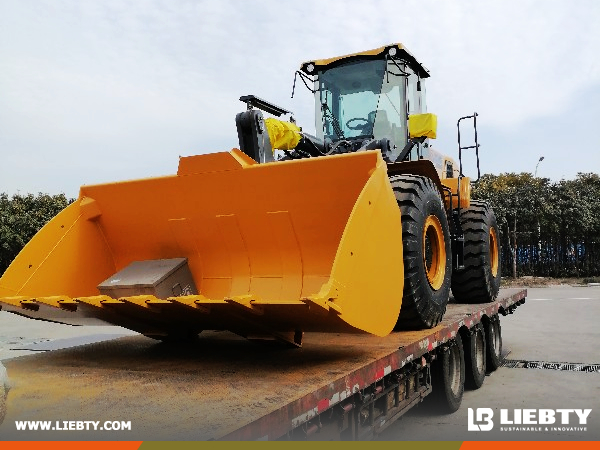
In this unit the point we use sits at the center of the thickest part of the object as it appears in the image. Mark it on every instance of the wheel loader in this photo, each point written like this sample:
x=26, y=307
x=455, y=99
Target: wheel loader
x=363, y=227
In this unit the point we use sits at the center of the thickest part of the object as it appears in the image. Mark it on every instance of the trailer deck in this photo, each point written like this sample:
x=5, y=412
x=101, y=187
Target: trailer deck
x=221, y=386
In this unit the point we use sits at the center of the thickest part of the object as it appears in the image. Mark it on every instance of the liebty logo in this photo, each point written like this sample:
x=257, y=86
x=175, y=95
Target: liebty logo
x=480, y=419
x=483, y=415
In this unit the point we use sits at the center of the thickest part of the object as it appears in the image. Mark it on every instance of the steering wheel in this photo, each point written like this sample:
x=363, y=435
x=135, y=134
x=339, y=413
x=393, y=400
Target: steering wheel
x=359, y=126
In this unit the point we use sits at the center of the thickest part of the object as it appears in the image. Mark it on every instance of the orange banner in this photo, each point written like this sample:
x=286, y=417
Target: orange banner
x=70, y=445
x=529, y=445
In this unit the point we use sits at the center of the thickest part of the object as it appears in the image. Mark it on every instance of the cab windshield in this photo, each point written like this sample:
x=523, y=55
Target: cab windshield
x=360, y=100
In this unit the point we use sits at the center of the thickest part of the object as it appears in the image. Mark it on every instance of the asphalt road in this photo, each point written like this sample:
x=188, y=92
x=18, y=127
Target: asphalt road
x=557, y=324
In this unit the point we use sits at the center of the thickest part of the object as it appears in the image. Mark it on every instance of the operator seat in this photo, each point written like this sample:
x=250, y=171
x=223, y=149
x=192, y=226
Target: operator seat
x=382, y=127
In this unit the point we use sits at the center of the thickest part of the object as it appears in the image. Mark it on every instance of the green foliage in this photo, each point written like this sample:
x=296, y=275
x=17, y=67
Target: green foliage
x=21, y=216
x=556, y=225
x=511, y=195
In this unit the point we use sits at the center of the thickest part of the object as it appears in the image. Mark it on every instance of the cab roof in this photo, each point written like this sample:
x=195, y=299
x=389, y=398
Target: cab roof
x=378, y=53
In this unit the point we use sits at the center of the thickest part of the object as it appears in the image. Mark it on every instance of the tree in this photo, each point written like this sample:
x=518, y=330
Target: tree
x=21, y=216
x=550, y=229
x=519, y=203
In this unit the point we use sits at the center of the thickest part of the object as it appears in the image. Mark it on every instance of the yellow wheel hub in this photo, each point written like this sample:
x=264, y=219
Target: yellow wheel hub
x=434, y=252
x=494, y=252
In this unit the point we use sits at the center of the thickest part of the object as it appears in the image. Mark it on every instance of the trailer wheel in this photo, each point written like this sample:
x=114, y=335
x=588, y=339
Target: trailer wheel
x=475, y=358
x=448, y=377
x=427, y=252
x=493, y=335
x=479, y=281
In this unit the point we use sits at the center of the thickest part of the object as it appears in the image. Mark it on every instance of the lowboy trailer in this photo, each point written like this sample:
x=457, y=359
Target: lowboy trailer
x=223, y=387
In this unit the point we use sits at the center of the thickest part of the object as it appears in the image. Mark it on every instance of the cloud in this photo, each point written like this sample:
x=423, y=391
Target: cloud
x=101, y=91
x=566, y=139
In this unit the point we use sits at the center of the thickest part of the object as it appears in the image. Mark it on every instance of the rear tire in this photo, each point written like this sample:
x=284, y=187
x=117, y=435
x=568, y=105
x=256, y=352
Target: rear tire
x=427, y=252
x=475, y=358
x=448, y=377
x=493, y=336
x=479, y=281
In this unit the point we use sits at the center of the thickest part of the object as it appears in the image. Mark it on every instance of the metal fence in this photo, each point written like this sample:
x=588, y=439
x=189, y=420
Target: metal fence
x=551, y=256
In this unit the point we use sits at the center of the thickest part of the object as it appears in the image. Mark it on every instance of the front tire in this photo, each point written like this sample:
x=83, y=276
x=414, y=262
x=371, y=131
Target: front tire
x=479, y=281
x=427, y=252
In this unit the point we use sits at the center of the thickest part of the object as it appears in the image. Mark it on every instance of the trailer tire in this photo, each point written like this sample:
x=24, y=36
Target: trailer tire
x=493, y=336
x=475, y=358
x=479, y=280
x=448, y=377
x=426, y=252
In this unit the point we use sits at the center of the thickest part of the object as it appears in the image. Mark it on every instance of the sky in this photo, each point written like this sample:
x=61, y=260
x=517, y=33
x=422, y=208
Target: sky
x=101, y=91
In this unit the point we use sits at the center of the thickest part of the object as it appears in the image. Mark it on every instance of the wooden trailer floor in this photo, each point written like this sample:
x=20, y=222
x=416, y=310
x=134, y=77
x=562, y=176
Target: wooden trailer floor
x=221, y=386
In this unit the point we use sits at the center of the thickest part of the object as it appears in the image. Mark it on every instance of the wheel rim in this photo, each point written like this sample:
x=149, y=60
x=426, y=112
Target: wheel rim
x=494, y=251
x=479, y=350
x=434, y=252
x=496, y=339
x=454, y=370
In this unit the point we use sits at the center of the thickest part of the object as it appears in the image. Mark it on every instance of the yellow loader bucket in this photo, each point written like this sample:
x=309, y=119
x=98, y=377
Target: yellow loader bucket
x=284, y=247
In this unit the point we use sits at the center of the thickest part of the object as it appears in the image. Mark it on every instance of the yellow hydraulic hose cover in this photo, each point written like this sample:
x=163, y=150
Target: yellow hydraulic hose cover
x=283, y=135
x=422, y=125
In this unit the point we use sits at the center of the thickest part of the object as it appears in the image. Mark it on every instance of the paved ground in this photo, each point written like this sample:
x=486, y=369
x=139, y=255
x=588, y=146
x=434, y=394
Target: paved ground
x=557, y=324
x=20, y=336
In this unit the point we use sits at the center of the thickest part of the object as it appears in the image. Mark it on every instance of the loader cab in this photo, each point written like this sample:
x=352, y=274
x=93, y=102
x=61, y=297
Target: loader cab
x=367, y=96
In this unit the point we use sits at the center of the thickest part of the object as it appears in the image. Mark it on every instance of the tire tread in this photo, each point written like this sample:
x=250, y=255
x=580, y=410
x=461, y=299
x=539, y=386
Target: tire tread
x=475, y=282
